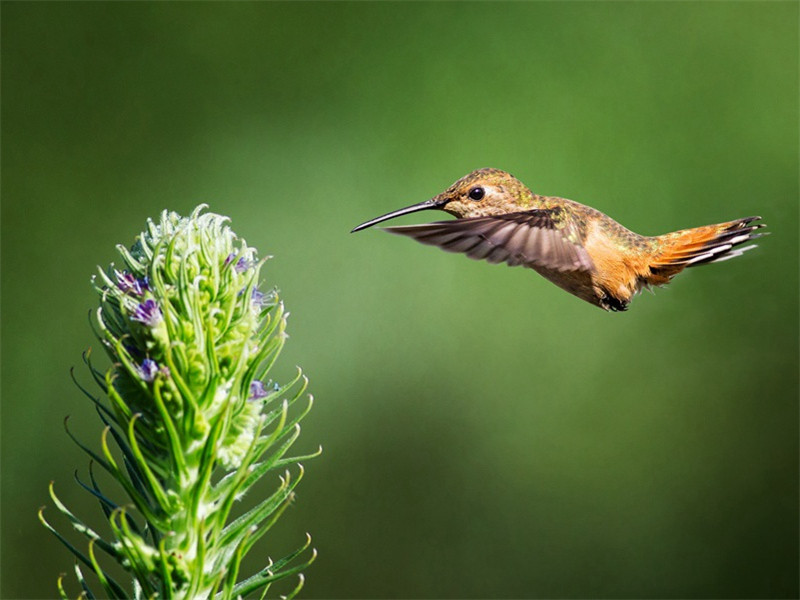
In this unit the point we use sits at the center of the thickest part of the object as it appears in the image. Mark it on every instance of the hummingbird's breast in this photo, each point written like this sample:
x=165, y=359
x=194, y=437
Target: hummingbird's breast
x=619, y=256
x=621, y=259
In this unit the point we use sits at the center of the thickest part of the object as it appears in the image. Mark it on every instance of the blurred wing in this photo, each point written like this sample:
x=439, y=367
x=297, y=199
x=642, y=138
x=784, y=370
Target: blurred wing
x=530, y=238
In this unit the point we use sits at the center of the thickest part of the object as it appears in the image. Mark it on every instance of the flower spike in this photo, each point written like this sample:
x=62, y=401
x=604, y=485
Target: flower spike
x=192, y=421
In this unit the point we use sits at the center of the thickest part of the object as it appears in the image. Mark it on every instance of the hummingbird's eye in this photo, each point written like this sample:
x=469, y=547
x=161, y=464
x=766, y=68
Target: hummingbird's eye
x=476, y=193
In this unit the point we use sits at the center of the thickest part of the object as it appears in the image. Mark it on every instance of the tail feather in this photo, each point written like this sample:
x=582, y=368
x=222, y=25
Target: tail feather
x=701, y=245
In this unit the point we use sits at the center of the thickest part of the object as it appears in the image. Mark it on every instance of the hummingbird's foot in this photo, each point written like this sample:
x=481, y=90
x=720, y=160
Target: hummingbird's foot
x=609, y=302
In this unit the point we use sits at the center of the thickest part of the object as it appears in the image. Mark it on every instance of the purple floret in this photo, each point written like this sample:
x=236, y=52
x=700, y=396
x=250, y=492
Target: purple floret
x=128, y=283
x=261, y=300
x=242, y=265
x=257, y=390
x=148, y=313
x=148, y=369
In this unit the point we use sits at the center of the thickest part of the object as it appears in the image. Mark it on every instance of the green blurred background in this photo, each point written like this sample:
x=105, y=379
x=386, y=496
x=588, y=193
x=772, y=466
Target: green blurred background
x=485, y=433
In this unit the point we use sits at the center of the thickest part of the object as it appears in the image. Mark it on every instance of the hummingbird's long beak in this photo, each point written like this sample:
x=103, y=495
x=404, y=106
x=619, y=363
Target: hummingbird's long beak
x=433, y=203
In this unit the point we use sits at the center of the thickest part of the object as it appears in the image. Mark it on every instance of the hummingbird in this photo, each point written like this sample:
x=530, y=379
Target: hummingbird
x=578, y=248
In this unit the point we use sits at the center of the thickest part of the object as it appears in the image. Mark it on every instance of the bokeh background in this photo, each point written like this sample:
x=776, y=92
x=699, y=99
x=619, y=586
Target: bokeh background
x=485, y=434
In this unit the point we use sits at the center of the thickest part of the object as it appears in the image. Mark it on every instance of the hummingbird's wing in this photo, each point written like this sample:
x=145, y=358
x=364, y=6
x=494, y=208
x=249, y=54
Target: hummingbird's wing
x=531, y=238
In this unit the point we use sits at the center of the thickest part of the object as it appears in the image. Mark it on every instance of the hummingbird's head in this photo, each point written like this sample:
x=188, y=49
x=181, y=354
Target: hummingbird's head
x=484, y=192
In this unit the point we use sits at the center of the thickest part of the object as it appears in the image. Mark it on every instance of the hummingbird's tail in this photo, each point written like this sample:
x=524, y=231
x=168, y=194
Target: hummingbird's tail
x=701, y=245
